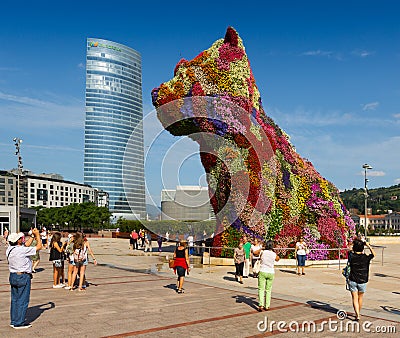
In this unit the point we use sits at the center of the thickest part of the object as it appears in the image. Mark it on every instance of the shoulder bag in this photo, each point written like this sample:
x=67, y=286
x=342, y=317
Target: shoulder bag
x=257, y=264
x=346, y=269
x=171, y=263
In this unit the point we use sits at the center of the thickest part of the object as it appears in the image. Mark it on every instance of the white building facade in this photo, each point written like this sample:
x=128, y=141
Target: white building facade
x=46, y=190
x=186, y=203
x=51, y=193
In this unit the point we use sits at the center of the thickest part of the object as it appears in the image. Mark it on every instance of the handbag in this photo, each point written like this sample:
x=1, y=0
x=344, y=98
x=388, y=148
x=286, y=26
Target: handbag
x=57, y=263
x=171, y=263
x=256, y=267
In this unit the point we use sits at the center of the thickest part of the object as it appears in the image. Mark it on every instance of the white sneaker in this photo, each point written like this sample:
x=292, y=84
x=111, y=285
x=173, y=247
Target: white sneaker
x=67, y=288
x=58, y=286
x=25, y=326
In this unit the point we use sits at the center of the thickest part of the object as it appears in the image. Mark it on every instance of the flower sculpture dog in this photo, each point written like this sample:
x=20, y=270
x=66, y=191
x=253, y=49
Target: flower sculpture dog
x=258, y=184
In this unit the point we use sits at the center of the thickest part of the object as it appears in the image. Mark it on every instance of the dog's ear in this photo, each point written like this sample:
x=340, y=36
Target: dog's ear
x=181, y=62
x=231, y=37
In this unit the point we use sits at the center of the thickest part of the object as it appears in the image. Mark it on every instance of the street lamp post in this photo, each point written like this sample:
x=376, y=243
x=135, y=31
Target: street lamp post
x=17, y=143
x=365, y=167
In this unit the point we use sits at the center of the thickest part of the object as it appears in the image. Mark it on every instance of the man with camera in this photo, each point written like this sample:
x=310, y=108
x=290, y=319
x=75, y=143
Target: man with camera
x=20, y=265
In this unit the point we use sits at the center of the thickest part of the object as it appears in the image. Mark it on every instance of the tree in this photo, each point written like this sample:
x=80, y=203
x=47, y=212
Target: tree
x=74, y=216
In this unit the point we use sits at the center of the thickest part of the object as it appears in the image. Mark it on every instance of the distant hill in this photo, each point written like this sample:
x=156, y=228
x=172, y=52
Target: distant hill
x=380, y=199
x=153, y=211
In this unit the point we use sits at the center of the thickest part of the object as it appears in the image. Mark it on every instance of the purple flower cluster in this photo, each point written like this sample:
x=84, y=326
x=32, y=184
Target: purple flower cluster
x=317, y=250
x=286, y=178
x=322, y=207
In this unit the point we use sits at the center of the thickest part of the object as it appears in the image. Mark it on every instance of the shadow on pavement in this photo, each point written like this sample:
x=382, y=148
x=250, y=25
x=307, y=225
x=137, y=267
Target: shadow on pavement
x=39, y=270
x=322, y=306
x=391, y=309
x=170, y=286
x=34, y=312
x=293, y=272
x=229, y=278
x=250, y=301
x=384, y=275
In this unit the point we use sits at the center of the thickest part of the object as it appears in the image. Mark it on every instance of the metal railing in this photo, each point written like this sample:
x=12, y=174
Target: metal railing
x=199, y=251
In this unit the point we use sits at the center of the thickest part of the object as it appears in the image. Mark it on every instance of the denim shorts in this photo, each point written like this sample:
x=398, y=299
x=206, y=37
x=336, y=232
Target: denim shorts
x=354, y=287
x=301, y=260
x=85, y=262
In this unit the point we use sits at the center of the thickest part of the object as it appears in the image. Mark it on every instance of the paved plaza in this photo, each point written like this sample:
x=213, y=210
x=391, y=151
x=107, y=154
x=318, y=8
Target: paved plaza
x=133, y=294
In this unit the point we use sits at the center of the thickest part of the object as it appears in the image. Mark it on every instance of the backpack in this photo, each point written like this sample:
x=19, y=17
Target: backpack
x=80, y=254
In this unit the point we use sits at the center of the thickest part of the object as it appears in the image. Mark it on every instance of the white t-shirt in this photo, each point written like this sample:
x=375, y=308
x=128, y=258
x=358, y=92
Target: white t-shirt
x=301, y=248
x=256, y=248
x=19, y=258
x=190, y=240
x=267, y=261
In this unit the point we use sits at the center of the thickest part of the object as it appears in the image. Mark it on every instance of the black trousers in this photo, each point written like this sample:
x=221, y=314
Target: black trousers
x=239, y=269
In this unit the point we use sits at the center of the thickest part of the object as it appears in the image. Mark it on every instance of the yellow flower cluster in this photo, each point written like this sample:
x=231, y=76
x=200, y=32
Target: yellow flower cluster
x=224, y=235
x=256, y=131
x=233, y=158
x=218, y=76
x=324, y=189
x=304, y=192
x=239, y=72
x=296, y=204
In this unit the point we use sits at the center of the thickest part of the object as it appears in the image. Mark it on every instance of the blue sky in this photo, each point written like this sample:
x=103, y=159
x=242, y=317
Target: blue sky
x=328, y=73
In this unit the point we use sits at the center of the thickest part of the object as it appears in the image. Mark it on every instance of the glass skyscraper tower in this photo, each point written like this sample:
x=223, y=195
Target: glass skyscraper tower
x=113, y=116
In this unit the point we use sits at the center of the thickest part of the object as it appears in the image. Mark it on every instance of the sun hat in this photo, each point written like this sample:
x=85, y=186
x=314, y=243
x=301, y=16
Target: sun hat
x=14, y=237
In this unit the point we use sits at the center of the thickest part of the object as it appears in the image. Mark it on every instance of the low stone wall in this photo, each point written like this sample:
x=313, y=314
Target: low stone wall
x=382, y=240
x=105, y=234
x=207, y=260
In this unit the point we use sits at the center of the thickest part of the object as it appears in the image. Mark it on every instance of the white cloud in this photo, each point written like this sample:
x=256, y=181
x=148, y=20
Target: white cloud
x=317, y=53
x=81, y=65
x=302, y=117
x=396, y=116
x=338, y=154
x=370, y=106
x=323, y=53
x=9, y=69
x=30, y=112
x=362, y=53
x=46, y=147
x=21, y=99
x=373, y=173
x=397, y=181
x=54, y=147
